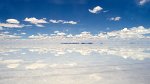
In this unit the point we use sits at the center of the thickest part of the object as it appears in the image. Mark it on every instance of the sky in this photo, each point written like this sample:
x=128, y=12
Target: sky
x=111, y=41
x=72, y=16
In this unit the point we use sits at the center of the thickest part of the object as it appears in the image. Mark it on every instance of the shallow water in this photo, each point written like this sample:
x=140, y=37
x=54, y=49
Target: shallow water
x=75, y=64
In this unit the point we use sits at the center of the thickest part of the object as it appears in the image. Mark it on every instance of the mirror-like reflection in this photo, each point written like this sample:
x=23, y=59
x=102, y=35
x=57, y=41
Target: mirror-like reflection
x=75, y=64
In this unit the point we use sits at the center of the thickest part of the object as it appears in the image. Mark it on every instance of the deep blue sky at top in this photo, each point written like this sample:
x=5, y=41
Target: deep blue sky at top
x=130, y=12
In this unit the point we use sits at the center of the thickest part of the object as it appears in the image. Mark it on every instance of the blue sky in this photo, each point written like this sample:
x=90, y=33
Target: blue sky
x=130, y=13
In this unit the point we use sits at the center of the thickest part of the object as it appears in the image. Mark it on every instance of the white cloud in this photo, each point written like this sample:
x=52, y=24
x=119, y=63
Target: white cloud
x=6, y=35
x=62, y=21
x=96, y=9
x=35, y=21
x=23, y=33
x=134, y=32
x=125, y=33
x=9, y=25
x=59, y=33
x=142, y=2
x=115, y=18
x=56, y=31
x=55, y=21
x=39, y=25
x=70, y=22
x=13, y=21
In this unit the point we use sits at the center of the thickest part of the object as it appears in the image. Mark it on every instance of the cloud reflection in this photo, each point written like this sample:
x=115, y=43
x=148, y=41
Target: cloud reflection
x=132, y=52
x=124, y=52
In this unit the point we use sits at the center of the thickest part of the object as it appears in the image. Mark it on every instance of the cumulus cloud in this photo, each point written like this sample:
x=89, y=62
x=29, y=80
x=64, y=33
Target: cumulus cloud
x=142, y=2
x=59, y=33
x=9, y=25
x=55, y=21
x=6, y=35
x=39, y=25
x=96, y=9
x=115, y=18
x=70, y=22
x=134, y=32
x=125, y=33
x=23, y=33
x=62, y=21
x=35, y=21
x=13, y=21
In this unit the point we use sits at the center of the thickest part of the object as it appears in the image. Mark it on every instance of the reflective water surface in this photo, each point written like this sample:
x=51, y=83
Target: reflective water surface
x=75, y=64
